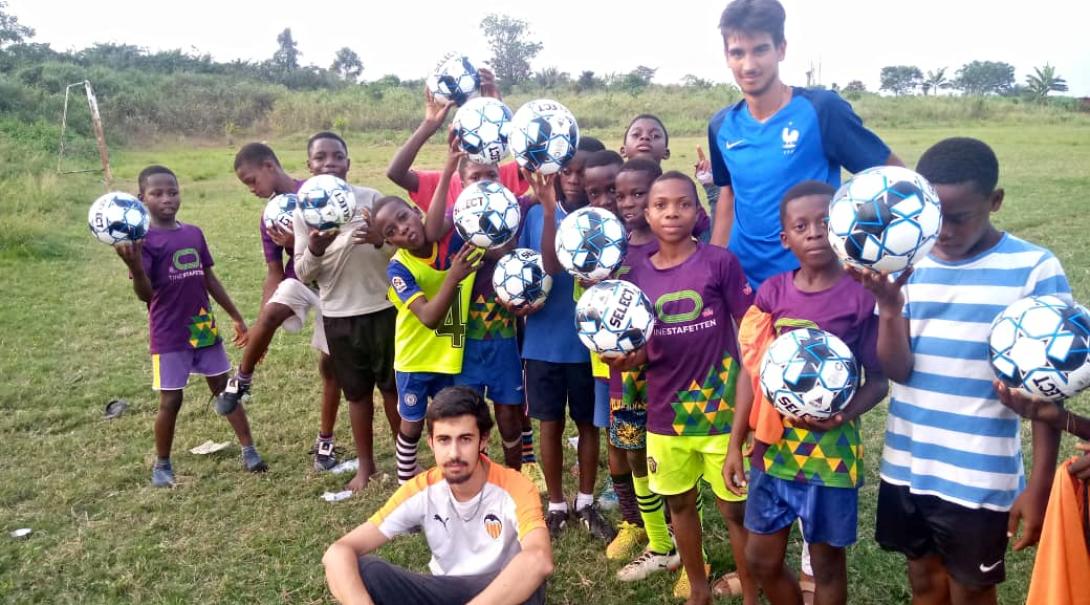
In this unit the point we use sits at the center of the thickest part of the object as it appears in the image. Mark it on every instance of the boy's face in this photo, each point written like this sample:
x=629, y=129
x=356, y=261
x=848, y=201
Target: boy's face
x=162, y=197
x=966, y=219
x=632, y=187
x=806, y=230
x=571, y=180
x=472, y=172
x=599, y=183
x=259, y=178
x=645, y=137
x=671, y=210
x=456, y=443
x=754, y=59
x=401, y=226
x=328, y=156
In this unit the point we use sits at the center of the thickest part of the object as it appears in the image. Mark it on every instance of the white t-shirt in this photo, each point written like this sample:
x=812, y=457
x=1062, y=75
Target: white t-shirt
x=478, y=536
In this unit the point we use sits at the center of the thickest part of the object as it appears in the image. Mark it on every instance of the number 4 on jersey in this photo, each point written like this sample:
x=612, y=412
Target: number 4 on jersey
x=452, y=325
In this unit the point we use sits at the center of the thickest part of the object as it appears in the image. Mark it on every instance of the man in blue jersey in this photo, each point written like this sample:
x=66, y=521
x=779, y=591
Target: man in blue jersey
x=775, y=137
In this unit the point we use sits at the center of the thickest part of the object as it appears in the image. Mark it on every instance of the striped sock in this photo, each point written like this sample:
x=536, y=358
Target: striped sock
x=528, y=447
x=626, y=497
x=406, y=457
x=652, y=511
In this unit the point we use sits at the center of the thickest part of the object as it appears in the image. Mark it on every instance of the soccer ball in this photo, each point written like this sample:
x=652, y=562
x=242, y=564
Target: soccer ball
x=482, y=126
x=520, y=279
x=486, y=214
x=455, y=79
x=885, y=218
x=1040, y=344
x=326, y=202
x=544, y=136
x=591, y=243
x=118, y=217
x=614, y=317
x=279, y=210
x=809, y=372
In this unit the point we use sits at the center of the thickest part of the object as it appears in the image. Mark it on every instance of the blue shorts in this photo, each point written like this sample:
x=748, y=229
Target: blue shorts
x=414, y=389
x=829, y=514
x=494, y=369
x=601, y=403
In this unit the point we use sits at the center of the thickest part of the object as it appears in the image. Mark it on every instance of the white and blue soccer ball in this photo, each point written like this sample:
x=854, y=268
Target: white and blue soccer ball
x=482, y=126
x=326, y=202
x=591, y=243
x=455, y=79
x=486, y=214
x=520, y=279
x=614, y=318
x=886, y=218
x=809, y=372
x=279, y=211
x=544, y=136
x=118, y=217
x=1040, y=345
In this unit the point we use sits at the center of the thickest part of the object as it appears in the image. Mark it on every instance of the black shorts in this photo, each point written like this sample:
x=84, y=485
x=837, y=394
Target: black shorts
x=972, y=542
x=362, y=350
x=550, y=387
x=389, y=584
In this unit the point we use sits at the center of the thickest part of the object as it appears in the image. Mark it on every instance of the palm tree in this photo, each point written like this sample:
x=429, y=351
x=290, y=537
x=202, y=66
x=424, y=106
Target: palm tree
x=935, y=80
x=1043, y=81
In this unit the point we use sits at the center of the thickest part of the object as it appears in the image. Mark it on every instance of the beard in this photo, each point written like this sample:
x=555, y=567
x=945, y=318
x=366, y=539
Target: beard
x=450, y=477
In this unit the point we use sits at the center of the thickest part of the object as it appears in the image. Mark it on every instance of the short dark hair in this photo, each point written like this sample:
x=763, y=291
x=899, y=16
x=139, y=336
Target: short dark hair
x=649, y=167
x=605, y=157
x=961, y=160
x=754, y=16
x=145, y=174
x=590, y=144
x=674, y=175
x=649, y=116
x=805, y=189
x=326, y=134
x=387, y=201
x=456, y=401
x=255, y=154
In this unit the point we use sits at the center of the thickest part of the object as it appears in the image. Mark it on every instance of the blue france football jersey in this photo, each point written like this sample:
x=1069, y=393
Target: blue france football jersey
x=812, y=137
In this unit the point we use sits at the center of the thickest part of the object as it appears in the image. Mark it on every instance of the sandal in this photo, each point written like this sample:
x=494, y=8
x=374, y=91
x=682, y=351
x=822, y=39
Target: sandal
x=730, y=585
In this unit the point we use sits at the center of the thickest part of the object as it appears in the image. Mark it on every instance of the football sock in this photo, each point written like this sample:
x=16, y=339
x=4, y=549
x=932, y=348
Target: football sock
x=626, y=497
x=162, y=462
x=325, y=436
x=247, y=378
x=653, y=513
x=406, y=457
x=583, y=500
x=560, y=506
x=528, y=447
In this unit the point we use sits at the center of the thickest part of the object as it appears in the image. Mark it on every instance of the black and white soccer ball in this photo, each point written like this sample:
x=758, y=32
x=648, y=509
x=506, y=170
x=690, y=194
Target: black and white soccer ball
x=591, y=243
x=486, y=214
x=454, y=79
x=326, y=202
x=886, y=218
x=809, y=372
x=520, y=279
x=544, y=136
x=482, y=126
x=1040, y=345
x=614, y=318
x=279, y=211
x=118, y=217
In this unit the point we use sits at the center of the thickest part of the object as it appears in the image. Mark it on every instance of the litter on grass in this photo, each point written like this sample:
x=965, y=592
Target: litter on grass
x=337, y=496
x=115, y=408
x=209, y=447
x=21, y=533
x=348, y=466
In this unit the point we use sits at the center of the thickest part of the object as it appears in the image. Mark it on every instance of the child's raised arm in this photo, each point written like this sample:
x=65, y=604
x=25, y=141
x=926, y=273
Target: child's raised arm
x=131, y=254
x=219, y=294
x=894, y=351
x=436, y=225
x=545, y=191
x=431, y=312
x=400, y=169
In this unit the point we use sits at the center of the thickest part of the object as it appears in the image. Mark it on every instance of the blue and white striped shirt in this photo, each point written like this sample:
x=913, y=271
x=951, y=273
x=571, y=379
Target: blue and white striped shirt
x=947, y=434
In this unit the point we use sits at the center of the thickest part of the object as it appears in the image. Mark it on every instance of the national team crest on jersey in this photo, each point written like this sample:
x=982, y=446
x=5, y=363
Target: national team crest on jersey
x=790, y=139
x=493, y=526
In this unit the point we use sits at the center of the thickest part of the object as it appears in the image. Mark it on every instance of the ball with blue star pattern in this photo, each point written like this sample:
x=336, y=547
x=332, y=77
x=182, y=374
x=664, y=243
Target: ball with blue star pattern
x=1040, y=344
x=614, y=317
x=118, y=217
x=809, y=372
x=482, y=126
x=591, y=243
x=544, y=136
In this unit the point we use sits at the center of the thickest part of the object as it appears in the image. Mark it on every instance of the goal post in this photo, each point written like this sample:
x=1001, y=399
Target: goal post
x=96, y=125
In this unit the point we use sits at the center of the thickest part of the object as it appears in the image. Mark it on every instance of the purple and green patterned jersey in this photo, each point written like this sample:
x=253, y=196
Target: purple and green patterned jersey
x=692, y=356
x=179, y=314
x=833, y=458
x=488, y=319
x=631, y=387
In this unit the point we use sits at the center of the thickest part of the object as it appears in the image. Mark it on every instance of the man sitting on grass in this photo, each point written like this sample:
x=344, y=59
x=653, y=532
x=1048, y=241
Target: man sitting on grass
x=482, y=521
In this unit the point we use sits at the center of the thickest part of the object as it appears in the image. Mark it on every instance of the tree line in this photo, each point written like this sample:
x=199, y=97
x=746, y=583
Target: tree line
x=975, y=78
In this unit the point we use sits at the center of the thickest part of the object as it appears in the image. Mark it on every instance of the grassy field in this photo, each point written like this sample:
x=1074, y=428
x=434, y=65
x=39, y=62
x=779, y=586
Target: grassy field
x=73, y=336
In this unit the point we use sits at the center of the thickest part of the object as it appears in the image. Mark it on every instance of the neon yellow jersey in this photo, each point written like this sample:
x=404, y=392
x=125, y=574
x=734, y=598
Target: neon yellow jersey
x=418, y=348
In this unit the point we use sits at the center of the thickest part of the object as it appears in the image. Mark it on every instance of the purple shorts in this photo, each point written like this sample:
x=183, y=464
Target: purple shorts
x=170, y=371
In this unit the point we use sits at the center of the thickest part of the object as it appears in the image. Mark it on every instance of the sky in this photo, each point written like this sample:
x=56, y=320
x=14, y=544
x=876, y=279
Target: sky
x=843, y=40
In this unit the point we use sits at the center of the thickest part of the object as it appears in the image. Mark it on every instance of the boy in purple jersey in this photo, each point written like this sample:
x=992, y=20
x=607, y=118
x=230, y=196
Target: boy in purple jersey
x=694, y=380
x=286, y=301
x=814, y=469
x=171, y=271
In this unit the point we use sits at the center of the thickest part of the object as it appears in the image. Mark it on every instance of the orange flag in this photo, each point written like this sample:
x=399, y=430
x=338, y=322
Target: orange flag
x=755, y=334
x=1061, y=571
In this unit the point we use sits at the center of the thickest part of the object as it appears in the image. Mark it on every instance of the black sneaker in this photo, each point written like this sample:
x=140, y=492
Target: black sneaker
x=232, y=395
x=596, y=524
x=556, y=521
x=325, y=455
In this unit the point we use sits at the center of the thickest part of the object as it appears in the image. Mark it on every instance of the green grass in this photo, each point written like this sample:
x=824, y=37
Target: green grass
x=73, y=336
